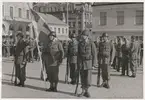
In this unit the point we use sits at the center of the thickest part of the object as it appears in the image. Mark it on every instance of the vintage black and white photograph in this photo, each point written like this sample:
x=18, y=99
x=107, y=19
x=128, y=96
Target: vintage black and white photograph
x=72, y=50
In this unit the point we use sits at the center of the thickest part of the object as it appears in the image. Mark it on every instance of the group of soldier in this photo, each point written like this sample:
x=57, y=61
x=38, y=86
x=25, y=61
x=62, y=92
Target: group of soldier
x=82, y=55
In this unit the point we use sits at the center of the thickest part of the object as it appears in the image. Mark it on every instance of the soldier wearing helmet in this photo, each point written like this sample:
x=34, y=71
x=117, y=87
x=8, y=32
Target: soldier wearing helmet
x=72, y=57
x=87, y=57
x=106, y=55
x=20, y=59
x=134, y=48
x=52, y=57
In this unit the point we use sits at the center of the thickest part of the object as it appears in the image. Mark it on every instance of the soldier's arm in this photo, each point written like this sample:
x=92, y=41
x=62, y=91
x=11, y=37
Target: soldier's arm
x=94, y=55
x=112, y=53
x=61, y=51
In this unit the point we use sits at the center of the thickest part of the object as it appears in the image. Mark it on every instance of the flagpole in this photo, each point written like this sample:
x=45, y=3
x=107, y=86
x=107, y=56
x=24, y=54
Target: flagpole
x=38, y=48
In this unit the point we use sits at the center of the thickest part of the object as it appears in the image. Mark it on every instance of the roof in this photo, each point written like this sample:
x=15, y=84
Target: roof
x=52, y=19
x=114, y=3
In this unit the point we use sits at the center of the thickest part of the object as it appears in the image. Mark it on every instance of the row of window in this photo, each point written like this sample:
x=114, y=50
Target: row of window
x=73, y=24
x=120, y=17
x=19, y=12
x=59, y=30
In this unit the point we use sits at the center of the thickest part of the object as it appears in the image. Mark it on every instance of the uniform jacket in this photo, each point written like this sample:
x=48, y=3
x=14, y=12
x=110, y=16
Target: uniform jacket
x=87, y=55
x=72, y=51
x=134, y=48
x=54, y=53
x=118, y=50
x=106, y=52
x=21, y=49
x=125, y=50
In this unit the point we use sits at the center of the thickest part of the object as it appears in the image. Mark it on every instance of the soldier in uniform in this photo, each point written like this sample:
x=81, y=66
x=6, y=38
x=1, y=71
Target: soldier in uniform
x=125, y=57
x=52, y=60
x=87, y=58
x=20, y=59
x=99, y=67
x=119, y=54
x=72, y=57
x=133, y=56
x=106, y=51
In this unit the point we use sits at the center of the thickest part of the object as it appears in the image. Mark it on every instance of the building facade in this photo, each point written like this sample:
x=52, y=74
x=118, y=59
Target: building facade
x=77, y=15
x=118, y=19
x=16, y=16
x=61, y=28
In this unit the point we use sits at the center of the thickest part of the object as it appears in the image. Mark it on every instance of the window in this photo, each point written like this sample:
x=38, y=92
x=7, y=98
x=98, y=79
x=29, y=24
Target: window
x=3, y=10
x=74, y=24
x=58, y=30
x=27, y=14
x=11, y=12
x=66, y=30
x=20, y=12
x=55, y=29
x=120, y=17
x=62, y=30
x=139, y=17
x=103, y=18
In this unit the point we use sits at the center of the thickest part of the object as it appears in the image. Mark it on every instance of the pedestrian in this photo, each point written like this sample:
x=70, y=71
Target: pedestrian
x=52, y=60
x=133, y=56
x=3, y=46
x=118, y=54
x=72, y=57
x=87, y=58
x=7, y=43
x=106, y=51
x=125, y=57
x=20, y=59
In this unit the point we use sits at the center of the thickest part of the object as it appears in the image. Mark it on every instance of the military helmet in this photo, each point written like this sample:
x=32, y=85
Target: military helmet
x=104, y=35
x=52, y=33
x=20, y=34
x=85, y=32
x=132, y=37
x=73, y=35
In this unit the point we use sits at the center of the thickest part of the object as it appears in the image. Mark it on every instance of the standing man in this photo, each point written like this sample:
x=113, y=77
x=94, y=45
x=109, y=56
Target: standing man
x=125, y=57
x=87, y=58
x=72, y=57
x=99, y=59
x=52, y=60
x=106, y=51
x=20, y=59
x=119, y=54
x=133, y=56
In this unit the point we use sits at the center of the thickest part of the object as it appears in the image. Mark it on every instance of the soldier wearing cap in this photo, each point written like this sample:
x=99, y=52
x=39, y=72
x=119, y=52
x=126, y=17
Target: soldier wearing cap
x=133, y=56
x=87, y=58
x=72, y=57
x=20, y=59
x=54, y=57
x=106, y=51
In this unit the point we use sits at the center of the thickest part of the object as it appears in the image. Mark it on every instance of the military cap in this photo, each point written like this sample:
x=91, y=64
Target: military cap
x=52, y=33
x=85, y=32
x=20, y=34
x=104, y=35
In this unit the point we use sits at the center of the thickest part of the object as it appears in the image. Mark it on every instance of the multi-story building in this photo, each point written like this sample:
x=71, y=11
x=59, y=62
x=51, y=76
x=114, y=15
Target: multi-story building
x=56, y=25
x=118, y=19
x=16, y=16
x=77, y=15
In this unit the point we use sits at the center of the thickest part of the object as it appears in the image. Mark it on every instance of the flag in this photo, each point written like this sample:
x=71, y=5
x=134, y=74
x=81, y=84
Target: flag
x=39, y=25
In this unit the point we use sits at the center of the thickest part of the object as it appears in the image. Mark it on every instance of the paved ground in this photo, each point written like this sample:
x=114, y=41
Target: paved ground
x=121, y=86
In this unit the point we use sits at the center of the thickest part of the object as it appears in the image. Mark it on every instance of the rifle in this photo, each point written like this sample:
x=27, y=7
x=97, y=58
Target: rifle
x=78, y=73
x=67, y=72
x=13, y=74
x=98, y=76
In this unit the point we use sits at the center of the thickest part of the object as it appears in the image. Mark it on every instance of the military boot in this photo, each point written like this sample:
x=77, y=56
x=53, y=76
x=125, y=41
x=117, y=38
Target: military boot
x=51, y=87
x=107, y=85
x=87, y=94
x=82, y=94
x=55, y=87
